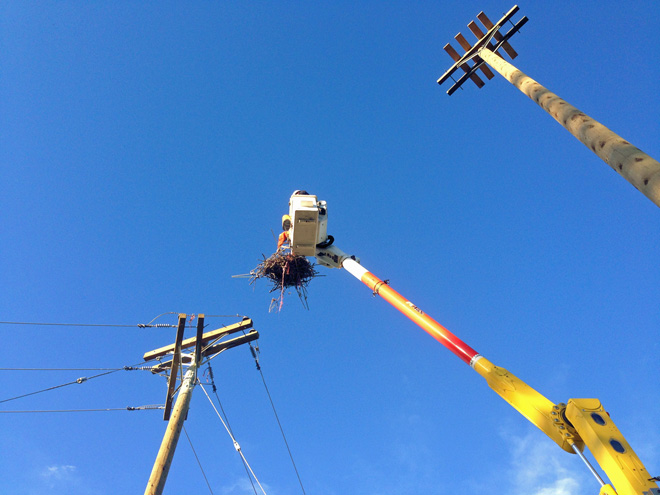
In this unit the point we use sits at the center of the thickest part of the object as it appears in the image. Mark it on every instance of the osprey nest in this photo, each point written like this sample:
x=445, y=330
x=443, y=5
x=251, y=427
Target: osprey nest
x=284, y=271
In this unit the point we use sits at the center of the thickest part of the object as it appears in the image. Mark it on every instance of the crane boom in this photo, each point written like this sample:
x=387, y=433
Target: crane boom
x=530, y=403
x=572, y=426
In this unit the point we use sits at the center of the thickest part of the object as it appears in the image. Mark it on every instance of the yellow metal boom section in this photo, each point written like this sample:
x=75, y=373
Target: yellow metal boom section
x=583, y=421
x=539, y=410
x=610, y=449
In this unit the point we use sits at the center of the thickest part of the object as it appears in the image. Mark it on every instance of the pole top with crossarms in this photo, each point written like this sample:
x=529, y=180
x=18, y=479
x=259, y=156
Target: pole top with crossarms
x=493, y=40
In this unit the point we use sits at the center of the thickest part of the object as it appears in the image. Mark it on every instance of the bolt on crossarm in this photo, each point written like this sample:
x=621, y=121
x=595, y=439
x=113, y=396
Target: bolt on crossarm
x=638, y=168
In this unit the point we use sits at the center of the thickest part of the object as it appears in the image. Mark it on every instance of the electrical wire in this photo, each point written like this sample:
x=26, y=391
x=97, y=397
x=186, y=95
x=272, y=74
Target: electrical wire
x=80, y=380
x=127, y=408
x=236, y=445
x=198, y=462
x=254, y=354
x=140, y=325
x=215, y=391
x=146, y=368
x=64, y=324
x=162, y=314
x=282, y=430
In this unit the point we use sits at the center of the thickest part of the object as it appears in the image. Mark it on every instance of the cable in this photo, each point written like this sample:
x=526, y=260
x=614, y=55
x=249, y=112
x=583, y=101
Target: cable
x=140, y=325
x=215, y=391
x=146, y=368
x=127, y=408
x=198, y=463
x=59, y=369
x=162, y=314
x=236, y=445
x=82, y=379
x=254, y=354
x=63, y=324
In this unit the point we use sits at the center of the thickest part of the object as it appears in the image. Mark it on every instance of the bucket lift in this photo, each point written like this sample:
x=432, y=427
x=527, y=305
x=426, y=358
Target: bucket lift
x=572, y=425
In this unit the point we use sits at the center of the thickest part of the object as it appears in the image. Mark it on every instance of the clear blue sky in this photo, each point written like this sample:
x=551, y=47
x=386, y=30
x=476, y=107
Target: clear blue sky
x=148, y=152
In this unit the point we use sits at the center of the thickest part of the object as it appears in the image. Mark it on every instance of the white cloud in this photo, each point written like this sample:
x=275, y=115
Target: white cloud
x=59, y=478
x=242, y=486
x=566, y=486
x=539, y=467
x=65, y=472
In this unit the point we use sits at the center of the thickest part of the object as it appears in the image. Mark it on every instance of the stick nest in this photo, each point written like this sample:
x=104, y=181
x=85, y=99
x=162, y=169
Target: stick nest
x=284, y=271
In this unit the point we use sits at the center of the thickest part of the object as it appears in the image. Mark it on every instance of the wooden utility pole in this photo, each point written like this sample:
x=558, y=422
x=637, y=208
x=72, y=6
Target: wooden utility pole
x=177, y=415
x=638, y=168
x=165, y=455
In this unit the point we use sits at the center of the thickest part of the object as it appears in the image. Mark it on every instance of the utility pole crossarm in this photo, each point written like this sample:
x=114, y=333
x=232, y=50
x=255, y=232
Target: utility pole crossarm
x=215, y=334
x=229, y=344
x=483, y=41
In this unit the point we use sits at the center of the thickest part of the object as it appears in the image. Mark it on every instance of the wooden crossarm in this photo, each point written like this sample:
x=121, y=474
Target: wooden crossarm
x=215, y=334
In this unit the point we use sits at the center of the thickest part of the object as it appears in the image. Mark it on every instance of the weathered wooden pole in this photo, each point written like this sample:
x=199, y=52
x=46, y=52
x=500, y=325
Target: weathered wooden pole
x=638, y=168
x=634, y=165
x=163, y=462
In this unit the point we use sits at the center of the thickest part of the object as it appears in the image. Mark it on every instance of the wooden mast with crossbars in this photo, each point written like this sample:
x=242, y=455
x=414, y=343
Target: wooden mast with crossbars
x=638, y=168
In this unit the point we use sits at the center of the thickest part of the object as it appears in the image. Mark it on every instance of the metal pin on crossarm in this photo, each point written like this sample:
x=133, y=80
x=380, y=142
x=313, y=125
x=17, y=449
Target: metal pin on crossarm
x=638, y=168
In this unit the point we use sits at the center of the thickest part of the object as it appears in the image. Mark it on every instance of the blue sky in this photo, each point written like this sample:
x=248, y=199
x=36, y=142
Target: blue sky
x=148, y=153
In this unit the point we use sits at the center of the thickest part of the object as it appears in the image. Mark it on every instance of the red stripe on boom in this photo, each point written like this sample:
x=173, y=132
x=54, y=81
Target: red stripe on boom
x=428, y=324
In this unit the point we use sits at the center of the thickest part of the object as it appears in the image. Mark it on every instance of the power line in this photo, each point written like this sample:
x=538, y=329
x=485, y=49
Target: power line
x=146, y=368
x=127, y=408
x=138, y=325
x=236, y=445
x=82, y=379
x=64, y=324
x=254, y=354
x=215, y=391
x=198, y=462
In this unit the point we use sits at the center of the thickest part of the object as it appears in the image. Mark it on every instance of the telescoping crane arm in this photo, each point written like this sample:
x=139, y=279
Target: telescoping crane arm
x=573, y=425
